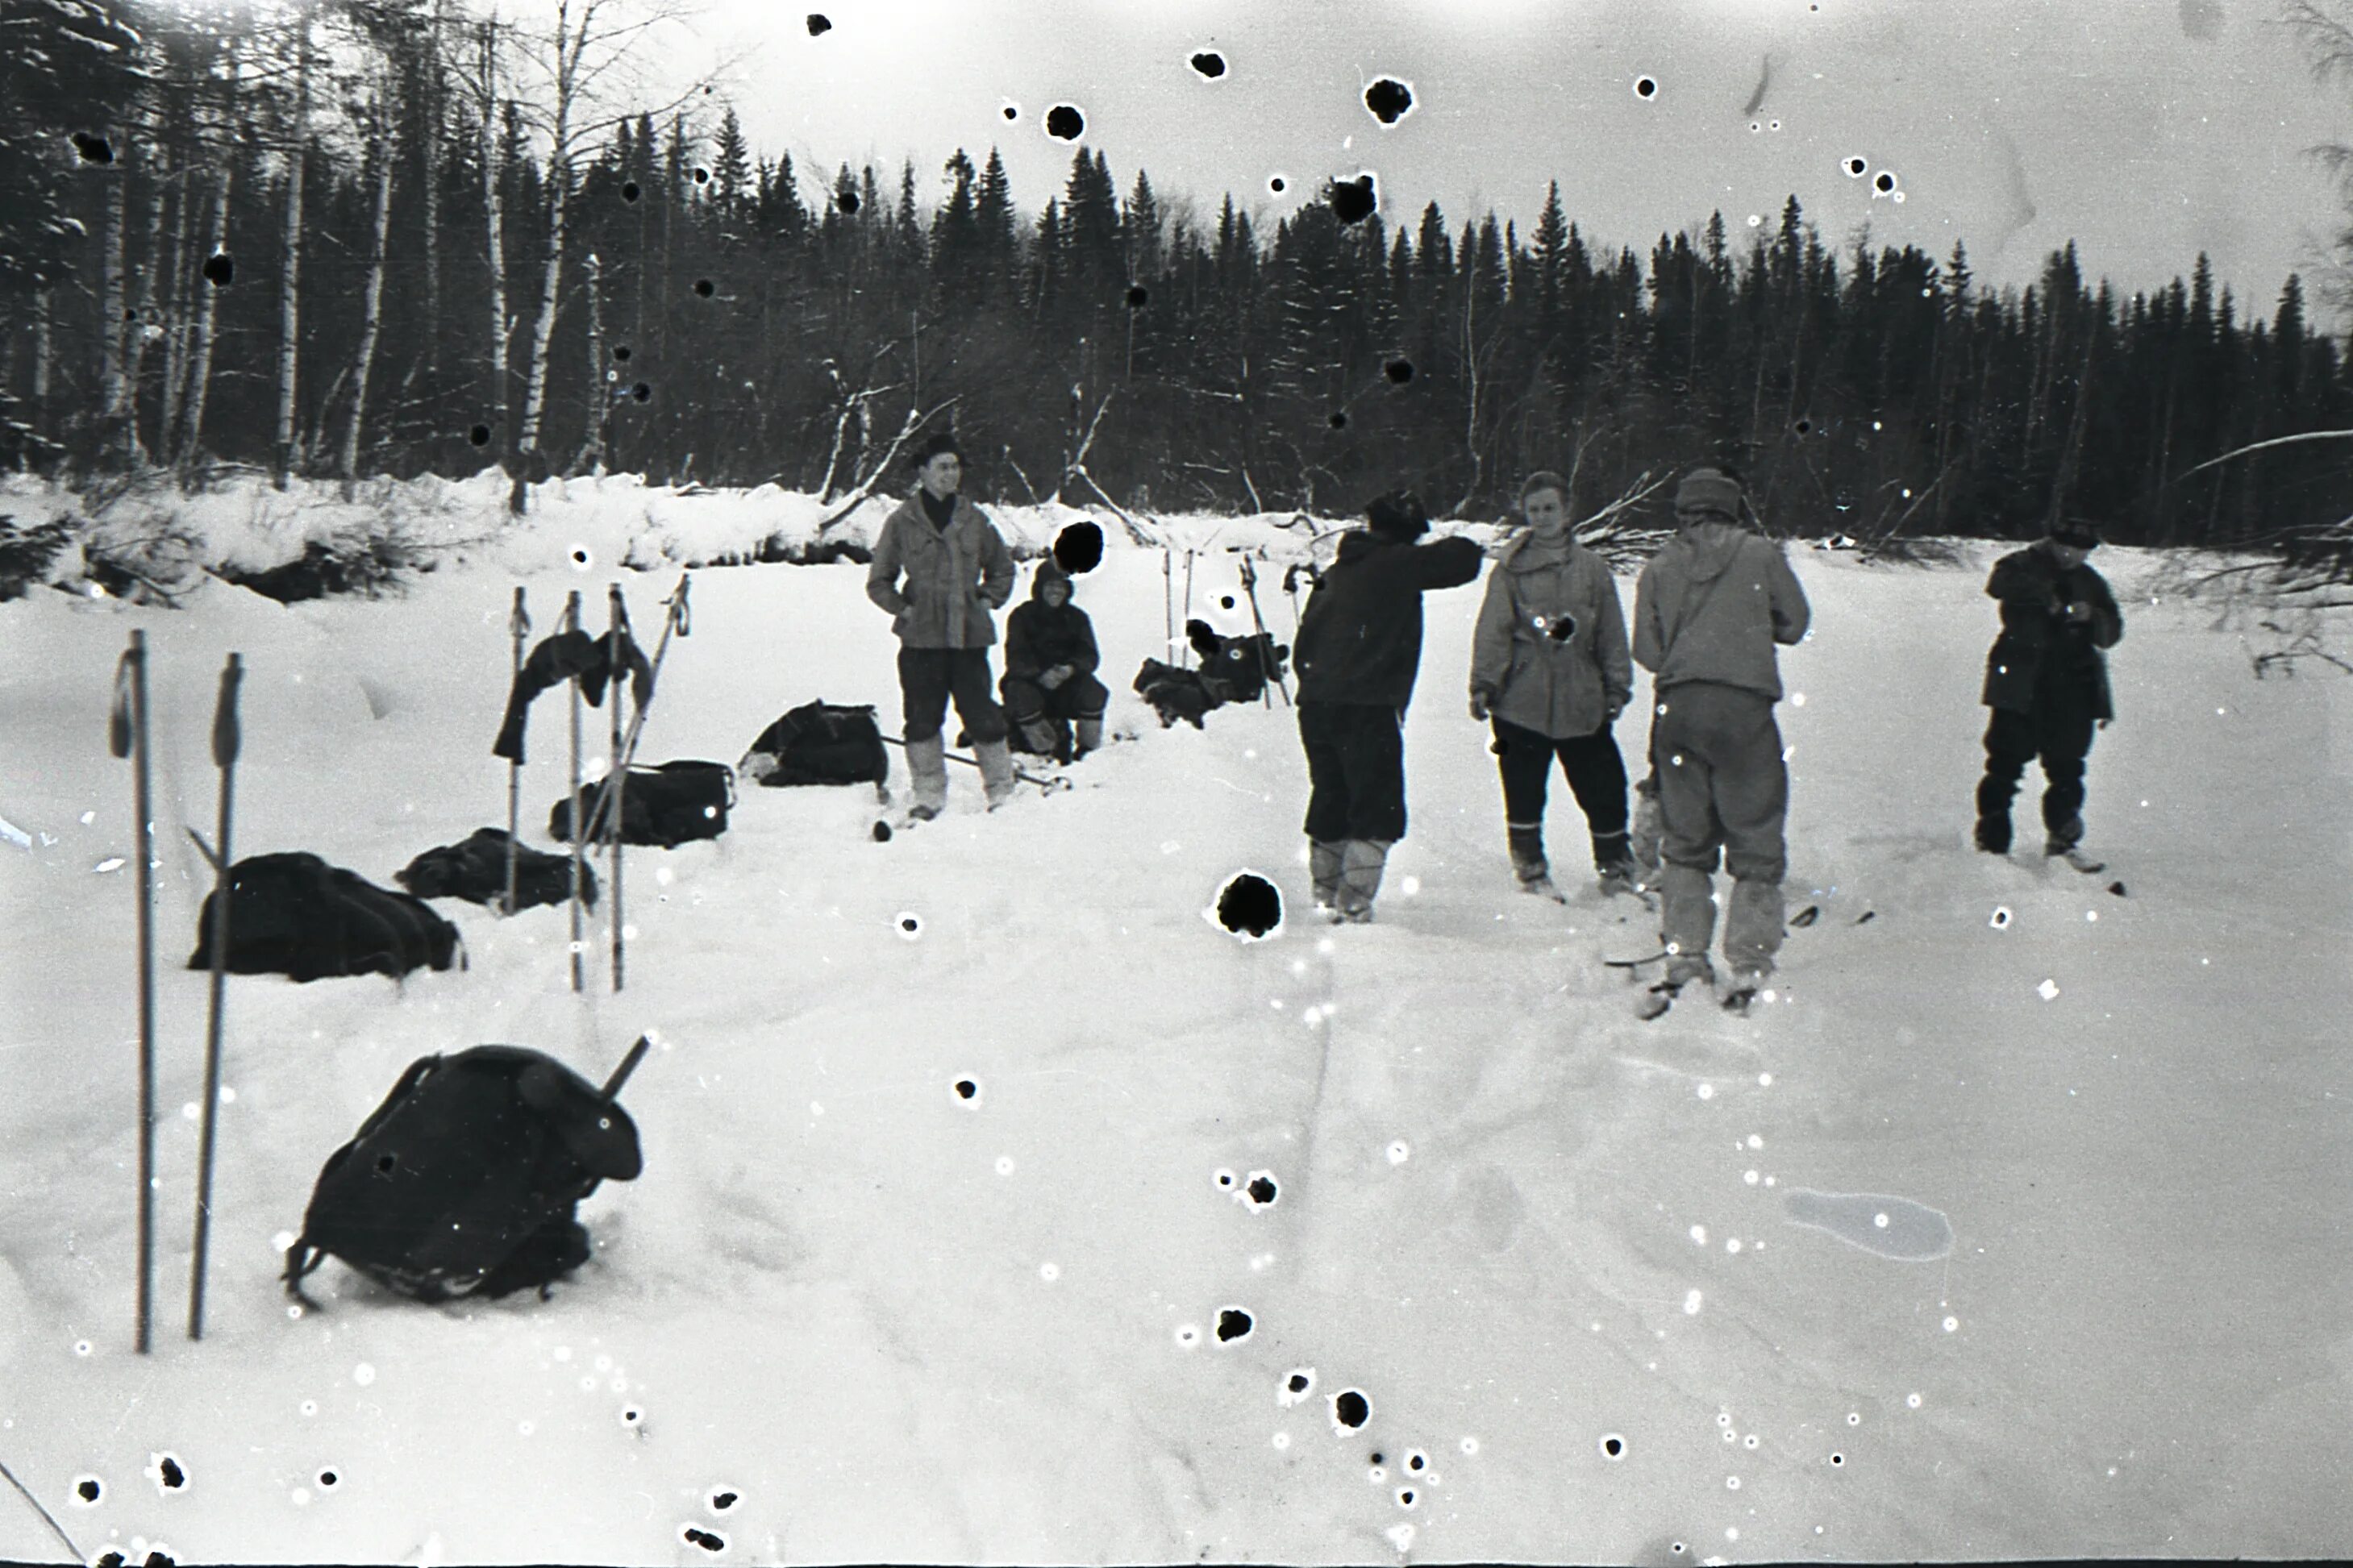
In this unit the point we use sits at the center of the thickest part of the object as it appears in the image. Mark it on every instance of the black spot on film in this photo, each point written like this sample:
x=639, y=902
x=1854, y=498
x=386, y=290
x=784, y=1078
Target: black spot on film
x=1225, y=1178
x=579, y=557
x=1226, y=602
x=641, y=392
x=1562, y=629
x=1645, y=87
x=621, y=353
x=722, y=1501
x=909, y=924
x=1415, y=1462
x=158, y=1558
x=1351, y=1409
x=479, y=435
x=1378, y=1457
x=1856, y=168
x=329, y=1478
x=1210, y=64
x=630, y=191
x=384, y=1163
x=1353, y=201
x=1389, y=99
x=1886, y=182
x=93, y=149
x=86, y=1488
x=1277, y=185
x=1399, y=371
x=1804, y=427
x=1613, y=1446
x=818, y=24
x=847, y=202
x=1079, y=548
x=174, y=1477
x=1261, y=1189
x=1137, y=296
x=881, y=833
x=702, y=176
x=1065, y=123
x=1233, y=1323
x=705, y=1539
x=704, y=287
x=1012, y=112
x=1249, y=904
x=220, y=270
x=1298, y=1383
x=1339, y=419
x=965, y=1089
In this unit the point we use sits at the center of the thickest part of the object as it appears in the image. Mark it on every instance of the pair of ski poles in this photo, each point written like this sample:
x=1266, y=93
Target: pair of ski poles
x=127, y=736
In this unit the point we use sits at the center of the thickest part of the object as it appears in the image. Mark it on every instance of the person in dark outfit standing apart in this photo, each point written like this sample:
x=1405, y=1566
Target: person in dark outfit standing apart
x=1357, y=651
x=1549, y=667
x=1049, y=671
x=2047, y=682
x=1709, y=610
x=940, y=568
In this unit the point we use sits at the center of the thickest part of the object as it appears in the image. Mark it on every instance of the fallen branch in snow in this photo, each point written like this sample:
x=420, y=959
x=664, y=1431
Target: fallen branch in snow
x=864, y=488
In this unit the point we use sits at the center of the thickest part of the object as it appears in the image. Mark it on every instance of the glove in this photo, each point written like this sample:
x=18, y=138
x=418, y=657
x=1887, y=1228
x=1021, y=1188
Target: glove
x=1479, y=701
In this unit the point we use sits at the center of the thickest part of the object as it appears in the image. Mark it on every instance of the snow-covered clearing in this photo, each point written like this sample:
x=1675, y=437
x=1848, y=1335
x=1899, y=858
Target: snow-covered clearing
x=888, y=1324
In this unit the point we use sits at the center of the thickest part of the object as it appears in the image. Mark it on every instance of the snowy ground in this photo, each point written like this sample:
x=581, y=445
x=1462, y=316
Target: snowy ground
x=886, y=1324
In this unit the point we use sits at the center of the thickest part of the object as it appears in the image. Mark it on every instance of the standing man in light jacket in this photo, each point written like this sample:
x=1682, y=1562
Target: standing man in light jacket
x=1549, y=666
x=1708, y=611
x=940, y=568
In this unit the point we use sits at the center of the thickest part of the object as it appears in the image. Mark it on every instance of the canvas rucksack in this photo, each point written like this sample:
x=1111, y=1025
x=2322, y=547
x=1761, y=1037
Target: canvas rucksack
x=463, y=1182
x=819, y=744
x=475, y=869
x=667, y=805
x=294, y=914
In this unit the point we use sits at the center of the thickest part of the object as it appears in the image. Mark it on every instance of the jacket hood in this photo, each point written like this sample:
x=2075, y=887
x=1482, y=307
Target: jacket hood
x=1049, y=571
x=1712, y=546
x=1358, y=543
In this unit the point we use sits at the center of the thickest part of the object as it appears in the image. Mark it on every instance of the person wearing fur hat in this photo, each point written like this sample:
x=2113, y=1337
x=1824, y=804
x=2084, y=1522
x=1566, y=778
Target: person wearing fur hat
x=1357, y=651
x=939, y=569
x=1050, y=680
x=2047, y=682
x=1709, y=611
x=1549, y=669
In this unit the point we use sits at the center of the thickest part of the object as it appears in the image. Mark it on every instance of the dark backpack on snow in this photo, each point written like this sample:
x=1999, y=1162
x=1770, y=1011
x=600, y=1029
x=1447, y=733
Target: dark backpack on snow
x=464, y=1180
x=819, y=744
x=667, y=805
x=475, y=869
x=294, y=914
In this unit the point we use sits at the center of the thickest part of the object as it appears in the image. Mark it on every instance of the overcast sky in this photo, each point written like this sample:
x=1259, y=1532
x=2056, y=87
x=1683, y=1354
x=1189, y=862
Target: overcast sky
x=2145, y=130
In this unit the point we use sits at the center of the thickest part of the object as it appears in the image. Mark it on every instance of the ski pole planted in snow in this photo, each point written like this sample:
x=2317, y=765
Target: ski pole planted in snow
x=518, y=627
x=617, y=623
x=572, y=624
x=1250, y=587
x=1168, y=593
x=680, y=622
x=226, y=741
x=127, y=737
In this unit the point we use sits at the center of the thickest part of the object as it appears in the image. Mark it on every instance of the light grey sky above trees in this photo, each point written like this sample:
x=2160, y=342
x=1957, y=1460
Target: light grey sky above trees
x=2146, y=131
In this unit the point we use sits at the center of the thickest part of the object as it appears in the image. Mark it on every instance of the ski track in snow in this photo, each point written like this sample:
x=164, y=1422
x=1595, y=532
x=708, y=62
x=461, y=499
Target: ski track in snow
x=900, y=1325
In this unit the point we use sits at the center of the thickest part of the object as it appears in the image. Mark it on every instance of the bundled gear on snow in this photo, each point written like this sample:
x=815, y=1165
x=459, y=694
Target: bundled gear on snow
x=463, y=1182
x=294, y=914
x=668, y=806
x=597, y=660
x=475, y=869
x=818, y=742
x=1233, y=670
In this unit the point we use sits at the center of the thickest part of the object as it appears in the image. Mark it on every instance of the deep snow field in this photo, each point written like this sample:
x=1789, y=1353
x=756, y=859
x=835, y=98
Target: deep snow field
x=847, y=1315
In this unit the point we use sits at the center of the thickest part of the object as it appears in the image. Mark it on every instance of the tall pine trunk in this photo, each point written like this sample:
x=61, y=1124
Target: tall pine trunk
x=138, y=319
x=372, y=319
x=191, y=434
x=493, y=223
x=44, y=356
x=112, y=290
x=290, y=303
x=177, y=306
x=600, y=396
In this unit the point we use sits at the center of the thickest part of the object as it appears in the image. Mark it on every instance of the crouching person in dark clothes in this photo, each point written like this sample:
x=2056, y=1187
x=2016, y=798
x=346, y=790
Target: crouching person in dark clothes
x=1709, y=610
x=1357, y=651
x=1049, y=671
x=940, y=568
x=2047, y=683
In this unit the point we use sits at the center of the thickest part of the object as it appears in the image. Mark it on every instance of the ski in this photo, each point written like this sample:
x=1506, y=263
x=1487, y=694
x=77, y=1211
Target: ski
x=1634, y=963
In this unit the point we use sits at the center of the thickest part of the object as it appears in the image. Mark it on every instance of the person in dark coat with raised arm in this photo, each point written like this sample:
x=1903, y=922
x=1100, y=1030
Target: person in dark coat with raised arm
x=940, y=568
x=1049, y=671
x=2047, y=682
x=1358, y=652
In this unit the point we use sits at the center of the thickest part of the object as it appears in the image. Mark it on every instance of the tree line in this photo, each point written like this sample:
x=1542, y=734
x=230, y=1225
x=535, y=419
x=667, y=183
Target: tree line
x=353, y=238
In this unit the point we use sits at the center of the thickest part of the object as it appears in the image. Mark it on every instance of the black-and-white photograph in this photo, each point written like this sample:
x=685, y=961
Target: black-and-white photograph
x=989, y=781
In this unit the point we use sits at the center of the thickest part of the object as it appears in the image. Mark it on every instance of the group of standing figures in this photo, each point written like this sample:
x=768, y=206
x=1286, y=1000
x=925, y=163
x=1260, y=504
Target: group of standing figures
x=1551, y=670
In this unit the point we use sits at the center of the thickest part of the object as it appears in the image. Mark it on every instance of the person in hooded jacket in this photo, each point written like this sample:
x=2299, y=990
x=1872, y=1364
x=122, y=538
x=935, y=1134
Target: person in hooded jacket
x=1709, y=610
x=940, y=568
x=1550, y=668
x=2047, y=682
x=1049, y=671
x=1357, y=650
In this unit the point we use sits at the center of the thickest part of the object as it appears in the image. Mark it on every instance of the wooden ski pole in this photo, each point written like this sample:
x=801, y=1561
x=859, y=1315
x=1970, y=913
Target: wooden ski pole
x=1250, y=587
x=226, y=742
x=519, y=627
x=127, y=737
x=681, y=622
x=1168, y=594
x=579, y=976
x=1188, y=605
x=628, y=1065
x=617, y=618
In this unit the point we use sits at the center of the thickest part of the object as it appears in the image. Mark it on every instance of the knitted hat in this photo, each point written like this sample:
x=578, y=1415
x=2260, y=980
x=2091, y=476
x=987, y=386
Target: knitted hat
x=1709, y=489
x=1398, y=515
x=939, y=442
x=1048, y=573
x=2078, y=532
